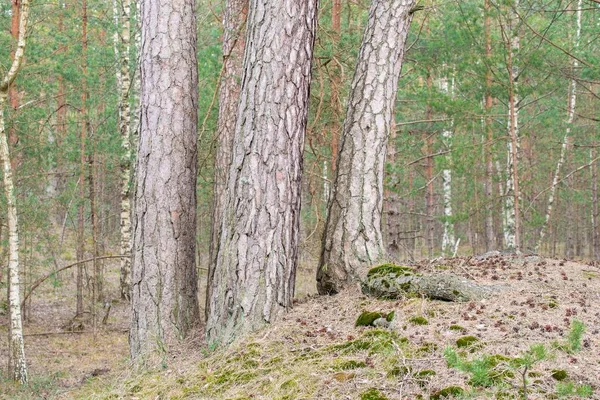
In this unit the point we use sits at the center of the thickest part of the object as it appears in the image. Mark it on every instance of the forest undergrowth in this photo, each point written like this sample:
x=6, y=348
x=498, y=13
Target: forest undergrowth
x=536, y=338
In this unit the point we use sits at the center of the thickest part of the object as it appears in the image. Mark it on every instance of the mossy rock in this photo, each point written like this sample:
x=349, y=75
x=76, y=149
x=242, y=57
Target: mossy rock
x=418, y=320
x=372, y=394
x=390, y=269
x=447, y=393
x=559, y=374
x=367, y=318
x=466, y=341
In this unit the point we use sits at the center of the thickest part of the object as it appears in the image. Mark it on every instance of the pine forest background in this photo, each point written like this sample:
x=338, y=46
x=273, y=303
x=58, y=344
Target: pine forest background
x=445, y=135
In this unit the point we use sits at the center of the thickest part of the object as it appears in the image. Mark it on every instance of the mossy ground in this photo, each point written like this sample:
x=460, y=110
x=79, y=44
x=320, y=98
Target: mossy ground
x=317, y=352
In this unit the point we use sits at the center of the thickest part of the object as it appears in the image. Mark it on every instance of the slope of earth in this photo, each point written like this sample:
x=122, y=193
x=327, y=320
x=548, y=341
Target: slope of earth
x=521, y=344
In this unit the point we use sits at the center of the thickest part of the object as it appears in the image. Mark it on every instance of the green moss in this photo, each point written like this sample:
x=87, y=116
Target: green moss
x=399, y=371
x=427, y=348
x=443, y=267
x=466, y=341
x=289, y=385
x=425, y=373
x=390, y=316
x=349, y=364
x=372, y=394
x=417, y=320
x=457, y=328
x=553, y=304
x=448, y=392
x=388, y=269
x=559, y=374
x=367, y=317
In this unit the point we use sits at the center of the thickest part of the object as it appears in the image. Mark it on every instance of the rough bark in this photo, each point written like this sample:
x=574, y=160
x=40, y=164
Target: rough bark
x=352, y=239
x=234, y=22
x=164, y=279
x=253, y=282
x=17, y=367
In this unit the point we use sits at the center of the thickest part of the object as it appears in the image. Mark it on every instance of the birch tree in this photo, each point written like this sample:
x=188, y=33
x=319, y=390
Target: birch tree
x=122, y=49
x=512, y=217
x=572, y=99
x=17, y=366
x=448, y=240
x=253, y=281
x=352, y=239
x=164, y=280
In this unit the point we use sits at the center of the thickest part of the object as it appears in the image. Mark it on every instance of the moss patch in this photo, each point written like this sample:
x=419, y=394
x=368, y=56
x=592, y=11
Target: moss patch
x=417, y=320
x=466, y=341
x=447, y=392
x=349, y=364
x=559, y=374
x=372, y=394
x=367, y=318
x=390, y=269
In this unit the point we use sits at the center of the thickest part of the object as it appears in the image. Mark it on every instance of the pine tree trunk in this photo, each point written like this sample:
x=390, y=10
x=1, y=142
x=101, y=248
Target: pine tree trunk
x=164, y=279
x=336, y=86
x=82, y=162
x=490, y=237
x=234, y=22
x=352, y=240
x=17, y=367
x=595, y=208
x=253, y=282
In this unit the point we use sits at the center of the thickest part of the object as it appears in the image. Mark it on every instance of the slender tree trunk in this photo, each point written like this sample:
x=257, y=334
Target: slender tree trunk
x=448, y=240
x=336, y=85
x=124, y=87
x=352, y=239
x=97, y=286
x=572, y=99
x=164, y=279
x=83, y=163
x=512, y=228
x=391, y=203
x=595, y=208
x=234, y=23
x=490, y=237
x=17, y=367
x=254, y=278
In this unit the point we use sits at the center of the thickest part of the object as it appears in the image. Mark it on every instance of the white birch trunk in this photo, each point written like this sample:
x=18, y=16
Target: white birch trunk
x=124, y=85
x=17, y=367
x=563, y=150
x=511, y=209
x=448, y=237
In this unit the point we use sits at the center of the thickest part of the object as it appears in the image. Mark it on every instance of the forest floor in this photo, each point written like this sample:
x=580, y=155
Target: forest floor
x=317, y=352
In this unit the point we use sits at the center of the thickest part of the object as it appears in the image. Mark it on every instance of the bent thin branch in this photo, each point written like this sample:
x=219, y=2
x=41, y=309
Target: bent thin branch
x=43, y=278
